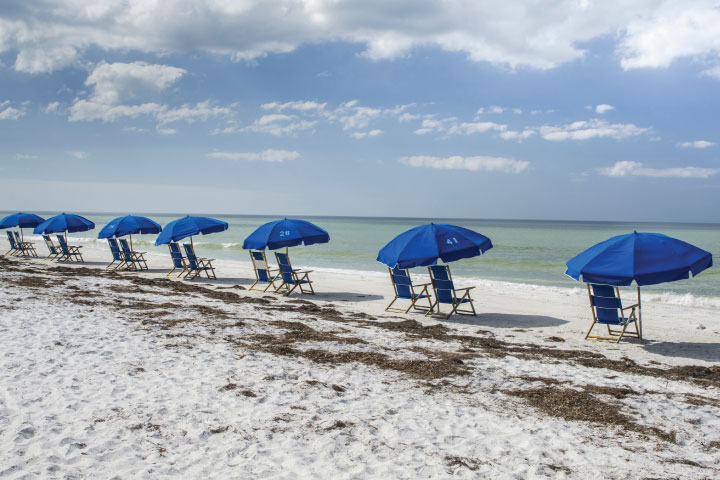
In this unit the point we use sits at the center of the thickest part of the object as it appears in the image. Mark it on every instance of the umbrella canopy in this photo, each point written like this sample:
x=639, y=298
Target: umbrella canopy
x=129, y=225
x=22, y=220
x=285, y=233
x=423, y=245
x=646, y=258
x=189, y=226
x=65, y=222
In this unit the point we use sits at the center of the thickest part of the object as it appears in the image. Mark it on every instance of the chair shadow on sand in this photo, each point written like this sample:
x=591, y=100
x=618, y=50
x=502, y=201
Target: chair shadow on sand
x=342, y=297
x=225, y=281
x=508, y=320
x=695, y=350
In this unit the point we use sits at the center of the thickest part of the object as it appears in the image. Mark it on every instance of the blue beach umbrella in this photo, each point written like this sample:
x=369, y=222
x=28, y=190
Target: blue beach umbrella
x=645, y=258
x=189, y=226
x=289, y=232
x=424, y=245
x=129, y=225
x=21, y=220
x=65, y=222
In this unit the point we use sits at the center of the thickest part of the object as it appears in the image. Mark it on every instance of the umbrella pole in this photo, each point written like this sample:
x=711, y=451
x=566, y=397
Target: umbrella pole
x=639, y=313
x=131, y=242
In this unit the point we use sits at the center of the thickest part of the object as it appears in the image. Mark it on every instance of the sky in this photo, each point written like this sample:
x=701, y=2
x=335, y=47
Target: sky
x=574, y=110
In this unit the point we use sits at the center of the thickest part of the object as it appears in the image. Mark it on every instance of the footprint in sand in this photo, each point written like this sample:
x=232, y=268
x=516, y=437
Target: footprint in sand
x=26, y=433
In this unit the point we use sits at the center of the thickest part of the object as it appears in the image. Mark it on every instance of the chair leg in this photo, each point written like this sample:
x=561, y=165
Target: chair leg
x=391, y=303
x=591, y=328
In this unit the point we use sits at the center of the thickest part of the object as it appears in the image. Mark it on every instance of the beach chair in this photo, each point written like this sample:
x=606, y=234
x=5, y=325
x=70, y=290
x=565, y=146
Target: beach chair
x=607, y=310
x=196, y=265
x=134, y=260
x=14, y=247
x=263, y=273
x=292, y=279
x=116, y=255
x=446, y=293
x=69, y=251
x=404, y=289
x=177, y=259
x=27, y=248
x=55, y=252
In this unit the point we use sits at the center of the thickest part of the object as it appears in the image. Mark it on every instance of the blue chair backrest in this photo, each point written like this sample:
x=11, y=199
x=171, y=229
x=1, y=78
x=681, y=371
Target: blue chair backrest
x=125, y=248
x=17, y=237
x=176, y=255
x=260, y=265
x=192, y=259
x=402, y=281
x=444, y=287
x=50, y=245
x=63, y=245
x=608, y=306
x=285, y=268
x=114, y=249
x=11, y=239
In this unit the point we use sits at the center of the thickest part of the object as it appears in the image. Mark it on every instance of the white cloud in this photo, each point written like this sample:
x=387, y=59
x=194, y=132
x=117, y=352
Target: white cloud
x=78, y=155
x=670, y=31
x=166, y=131
x=115, y=83
x=650, y=33
x=52, y=107
x=603, y=108
x=280, y=129
x=476, y=163
x=628, y=168
x=11, y=113
x=585, y=130
x=696, y=144
x=265, y=119
x=713, y=72
x=299, y=105
x=470, y=128
x=269, y=155
x=25, y=156
x=514, y=135
x=371, y=133
x=191, y=113
x=490, y=110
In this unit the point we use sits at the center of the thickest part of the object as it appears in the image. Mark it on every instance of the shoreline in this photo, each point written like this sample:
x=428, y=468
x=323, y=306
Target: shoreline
x=651, y=294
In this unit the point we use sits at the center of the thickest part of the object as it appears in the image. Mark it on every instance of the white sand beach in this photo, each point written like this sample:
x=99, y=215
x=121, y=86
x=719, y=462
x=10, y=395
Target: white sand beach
x=127, y=375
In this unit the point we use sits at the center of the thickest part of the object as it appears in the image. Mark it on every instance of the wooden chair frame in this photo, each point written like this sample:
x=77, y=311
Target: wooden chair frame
x=14, y=247
x=271, y=278
x=55, y=252
x=202, y=264
x=633, y=318
x=424, y=293
x=133, y=260
x=27, y=248
x=299, y=278
x=458, y=300
x=113, y=242
x=182, y=259
x=69, y=251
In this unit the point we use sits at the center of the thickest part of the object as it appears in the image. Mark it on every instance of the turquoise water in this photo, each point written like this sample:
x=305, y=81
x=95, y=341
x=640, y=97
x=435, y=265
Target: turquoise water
x=531, y=252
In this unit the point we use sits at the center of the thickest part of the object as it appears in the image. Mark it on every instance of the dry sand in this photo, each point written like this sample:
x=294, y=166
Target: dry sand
x=135, y=375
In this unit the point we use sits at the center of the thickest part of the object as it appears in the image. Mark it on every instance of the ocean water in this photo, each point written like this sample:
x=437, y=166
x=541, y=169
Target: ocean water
x=528, y=252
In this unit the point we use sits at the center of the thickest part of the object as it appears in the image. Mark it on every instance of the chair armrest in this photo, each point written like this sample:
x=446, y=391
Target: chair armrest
x=631, y=306
x=465, y=288
x=421, y=284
